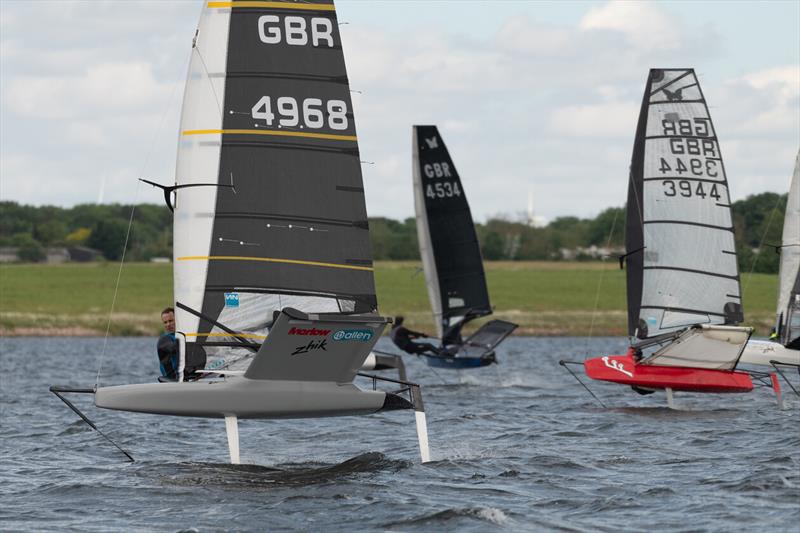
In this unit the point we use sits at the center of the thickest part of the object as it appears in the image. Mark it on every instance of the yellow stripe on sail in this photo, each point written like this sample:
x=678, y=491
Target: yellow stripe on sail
x=270, y=260
x=274, y=5
x=238, y=335
x=328, y=136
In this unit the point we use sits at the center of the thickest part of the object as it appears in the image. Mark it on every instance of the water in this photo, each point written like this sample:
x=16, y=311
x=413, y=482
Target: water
x=517, y=446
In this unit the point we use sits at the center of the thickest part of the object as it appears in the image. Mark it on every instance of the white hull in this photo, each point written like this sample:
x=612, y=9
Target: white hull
x=243, y=398
x=761, y=352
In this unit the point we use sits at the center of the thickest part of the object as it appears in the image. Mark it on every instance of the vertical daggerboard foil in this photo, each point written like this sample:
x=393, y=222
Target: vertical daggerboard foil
x=267, y=117
x=679, y=230
x=451, y=254
x=789, y=277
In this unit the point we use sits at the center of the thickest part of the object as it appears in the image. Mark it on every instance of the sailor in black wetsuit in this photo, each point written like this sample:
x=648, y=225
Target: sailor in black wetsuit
x=168, y=346
x=402, y=336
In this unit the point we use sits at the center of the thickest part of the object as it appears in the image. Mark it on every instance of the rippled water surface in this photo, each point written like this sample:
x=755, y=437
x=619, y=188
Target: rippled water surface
x=516, y=446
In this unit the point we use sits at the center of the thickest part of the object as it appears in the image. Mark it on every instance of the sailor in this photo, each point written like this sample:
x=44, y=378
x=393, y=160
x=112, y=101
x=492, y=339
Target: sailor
x=402, y=336
x=168, y=346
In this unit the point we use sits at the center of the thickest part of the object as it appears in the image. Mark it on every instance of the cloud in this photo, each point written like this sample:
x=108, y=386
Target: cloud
x=645, y=25
x=92, y=92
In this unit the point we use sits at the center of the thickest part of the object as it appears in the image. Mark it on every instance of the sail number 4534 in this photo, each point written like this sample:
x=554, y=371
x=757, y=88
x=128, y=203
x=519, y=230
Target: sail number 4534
x=310, y=111
x=442, y=189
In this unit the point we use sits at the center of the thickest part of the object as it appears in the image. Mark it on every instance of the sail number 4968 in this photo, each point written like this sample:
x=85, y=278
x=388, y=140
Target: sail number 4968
x=310, y=112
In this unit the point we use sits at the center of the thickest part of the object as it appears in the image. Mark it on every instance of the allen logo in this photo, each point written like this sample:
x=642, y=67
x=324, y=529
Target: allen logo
x=433, y=142
x=312, y=345
x=314, y=332
x=361, y=335
x=231, y=299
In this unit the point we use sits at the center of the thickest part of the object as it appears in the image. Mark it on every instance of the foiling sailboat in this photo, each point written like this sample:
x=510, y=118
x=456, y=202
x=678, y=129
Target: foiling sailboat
x=275, y=299
x=683, y=290
x=785, y=348
x=451, y=258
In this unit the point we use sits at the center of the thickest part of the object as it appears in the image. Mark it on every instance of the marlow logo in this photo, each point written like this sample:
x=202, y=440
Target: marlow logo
x=231, y=299
x=310, y=331
x=362, y=335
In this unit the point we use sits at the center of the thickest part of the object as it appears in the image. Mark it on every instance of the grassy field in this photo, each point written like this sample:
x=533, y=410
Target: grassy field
x=545, y=298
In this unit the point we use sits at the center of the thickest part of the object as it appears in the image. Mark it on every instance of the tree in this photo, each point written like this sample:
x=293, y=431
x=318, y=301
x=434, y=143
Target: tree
x=108, y=236
x=492, y=246
x=30, y=250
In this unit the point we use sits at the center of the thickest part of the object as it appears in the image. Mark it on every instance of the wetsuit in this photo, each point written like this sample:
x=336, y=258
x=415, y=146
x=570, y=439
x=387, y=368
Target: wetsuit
x=402, y=336
x=168, y=355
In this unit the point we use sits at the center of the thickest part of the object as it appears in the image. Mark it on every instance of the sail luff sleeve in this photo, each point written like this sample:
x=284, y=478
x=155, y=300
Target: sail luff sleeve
x=424, y=236
x=634, y=238
x=789, y=275
x=198, y=162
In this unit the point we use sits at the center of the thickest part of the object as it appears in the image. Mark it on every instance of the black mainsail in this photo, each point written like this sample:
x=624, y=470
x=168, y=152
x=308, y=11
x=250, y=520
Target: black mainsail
x=271, y=247
x=267, y=115
x=449, y=247
x=679, y=238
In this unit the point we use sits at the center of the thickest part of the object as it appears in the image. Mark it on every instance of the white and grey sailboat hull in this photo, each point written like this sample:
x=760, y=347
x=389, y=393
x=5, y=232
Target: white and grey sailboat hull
x=243, y=398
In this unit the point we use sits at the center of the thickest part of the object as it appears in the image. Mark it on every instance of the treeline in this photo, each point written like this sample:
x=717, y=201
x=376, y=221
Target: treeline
x=757, y=219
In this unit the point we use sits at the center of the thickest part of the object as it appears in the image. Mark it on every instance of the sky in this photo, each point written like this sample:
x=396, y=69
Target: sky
x=535, y=100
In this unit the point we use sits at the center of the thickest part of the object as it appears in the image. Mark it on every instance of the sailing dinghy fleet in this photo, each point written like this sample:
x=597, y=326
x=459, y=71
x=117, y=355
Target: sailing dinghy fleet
x=276, y=310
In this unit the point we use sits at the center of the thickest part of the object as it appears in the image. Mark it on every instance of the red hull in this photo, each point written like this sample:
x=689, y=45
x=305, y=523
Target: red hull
x=624, y=370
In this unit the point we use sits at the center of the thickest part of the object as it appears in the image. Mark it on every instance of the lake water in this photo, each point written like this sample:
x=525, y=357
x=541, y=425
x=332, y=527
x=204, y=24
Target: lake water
x=516, y=446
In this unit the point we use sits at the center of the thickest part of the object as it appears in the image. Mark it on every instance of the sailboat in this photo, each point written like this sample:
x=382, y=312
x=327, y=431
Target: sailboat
x=275, y=301
x=451, y=257
x=683, y=290
x=785, y=348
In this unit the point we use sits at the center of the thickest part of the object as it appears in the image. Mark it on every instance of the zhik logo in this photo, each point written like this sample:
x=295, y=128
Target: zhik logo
x=362, y=335
x=314, y=332
x=312, y=345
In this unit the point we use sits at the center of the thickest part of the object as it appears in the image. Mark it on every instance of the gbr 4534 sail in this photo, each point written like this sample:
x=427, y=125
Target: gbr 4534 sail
x=451, y=257
x=274, y=290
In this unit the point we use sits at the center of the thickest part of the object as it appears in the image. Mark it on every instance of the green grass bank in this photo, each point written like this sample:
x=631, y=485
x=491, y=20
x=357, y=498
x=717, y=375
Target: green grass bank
x=545, y=298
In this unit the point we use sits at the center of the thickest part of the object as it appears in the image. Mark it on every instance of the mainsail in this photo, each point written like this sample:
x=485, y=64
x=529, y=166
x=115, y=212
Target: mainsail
x=267, y=119
x=789, y=278
x=681, y=253
x=451, y=255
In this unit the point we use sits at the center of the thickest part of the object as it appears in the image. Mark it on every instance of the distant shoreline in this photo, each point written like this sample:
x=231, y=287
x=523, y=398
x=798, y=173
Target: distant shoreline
x=546, y=299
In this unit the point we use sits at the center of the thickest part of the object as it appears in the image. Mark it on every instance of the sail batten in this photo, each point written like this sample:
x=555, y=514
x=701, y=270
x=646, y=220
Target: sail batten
x=678, y=214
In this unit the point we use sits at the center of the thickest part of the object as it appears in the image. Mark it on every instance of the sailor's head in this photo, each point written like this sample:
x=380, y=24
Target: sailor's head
x=168, y=319
x=398, y=321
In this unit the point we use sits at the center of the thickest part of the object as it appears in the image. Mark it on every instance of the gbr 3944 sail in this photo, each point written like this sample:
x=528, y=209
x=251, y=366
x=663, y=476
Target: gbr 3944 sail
x=681, y=253
x=684, y=299
x=267, y=117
